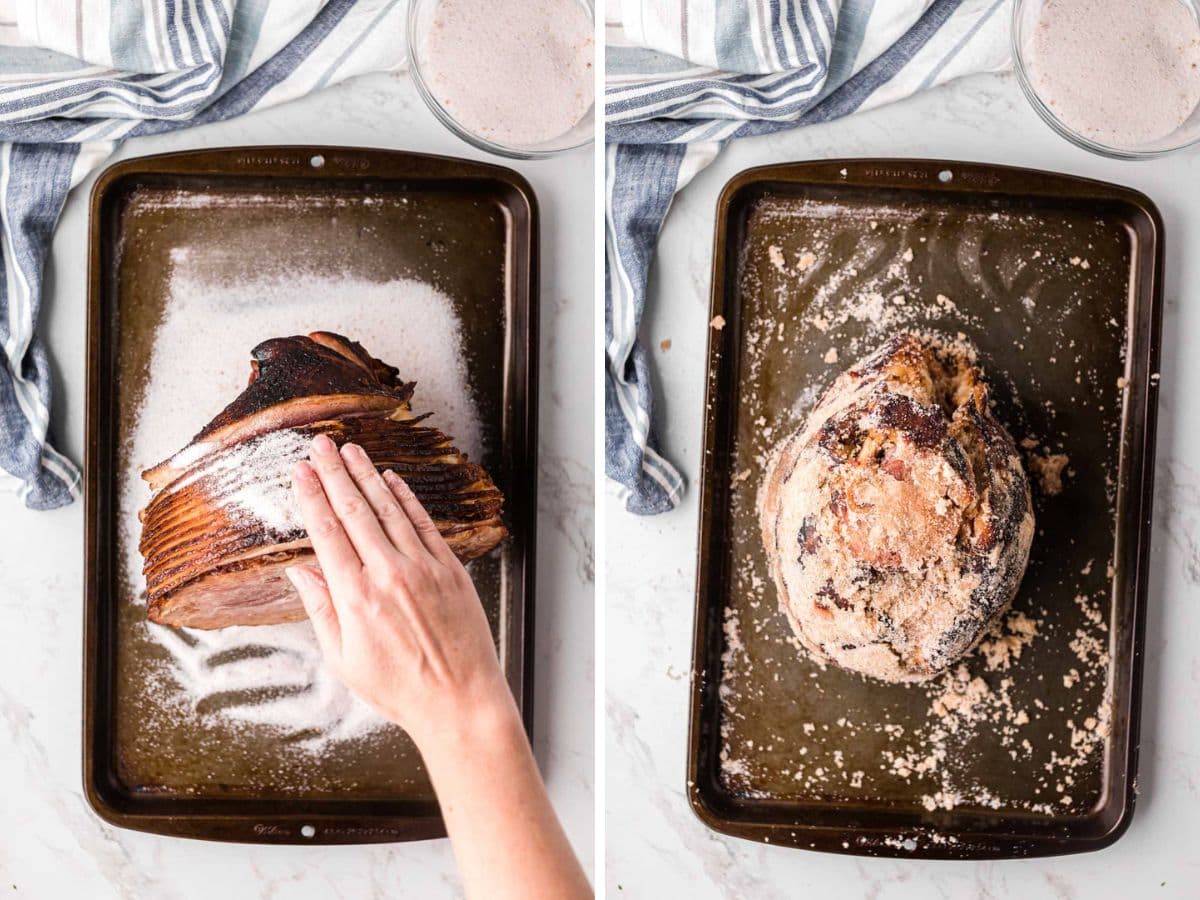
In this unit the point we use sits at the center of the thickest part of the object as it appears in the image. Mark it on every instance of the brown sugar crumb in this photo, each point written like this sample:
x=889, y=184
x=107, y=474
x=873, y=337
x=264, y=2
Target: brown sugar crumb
x=1004, y=644
x=664, y=345
x=718, y=322
x=777, y=259
x=805, y=262
x=1049, y=468
x=941, y=800
x=962, y=694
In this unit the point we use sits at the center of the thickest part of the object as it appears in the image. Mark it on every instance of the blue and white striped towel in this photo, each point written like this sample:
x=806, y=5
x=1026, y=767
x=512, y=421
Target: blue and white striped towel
x=76, y=76
x=683, y=77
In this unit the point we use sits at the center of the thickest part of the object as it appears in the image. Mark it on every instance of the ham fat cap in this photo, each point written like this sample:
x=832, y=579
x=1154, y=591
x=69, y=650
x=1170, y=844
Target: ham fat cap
x=209, y=563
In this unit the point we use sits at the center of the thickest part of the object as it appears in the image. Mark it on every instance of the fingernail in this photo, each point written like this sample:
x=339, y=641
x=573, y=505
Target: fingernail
x=323, y=446
x=395, y=482
x=303, y=471
x=353, y=451
x=305, y=576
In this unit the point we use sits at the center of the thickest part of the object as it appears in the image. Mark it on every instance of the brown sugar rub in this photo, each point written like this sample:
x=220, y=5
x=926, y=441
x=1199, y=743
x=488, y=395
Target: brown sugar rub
x=1049, y=471
x=897, y=521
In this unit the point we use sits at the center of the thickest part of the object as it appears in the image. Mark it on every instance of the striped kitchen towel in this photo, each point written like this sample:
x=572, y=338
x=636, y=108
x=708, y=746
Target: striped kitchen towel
x=685, y=76
x=76, y=76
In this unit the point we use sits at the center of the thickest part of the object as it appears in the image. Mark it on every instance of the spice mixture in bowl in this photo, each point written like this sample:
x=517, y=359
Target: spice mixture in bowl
x=1118, y=77
x=512, y=77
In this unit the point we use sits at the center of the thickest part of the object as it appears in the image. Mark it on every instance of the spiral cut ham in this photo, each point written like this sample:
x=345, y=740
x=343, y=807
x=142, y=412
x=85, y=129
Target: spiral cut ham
x=222, y=524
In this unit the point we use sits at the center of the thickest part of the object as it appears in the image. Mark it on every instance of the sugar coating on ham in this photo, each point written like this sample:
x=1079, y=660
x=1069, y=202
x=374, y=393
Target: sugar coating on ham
x=897, y=520
x=222, y=525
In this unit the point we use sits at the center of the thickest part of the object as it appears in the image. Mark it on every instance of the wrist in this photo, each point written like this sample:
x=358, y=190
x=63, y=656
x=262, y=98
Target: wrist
x=484, y=718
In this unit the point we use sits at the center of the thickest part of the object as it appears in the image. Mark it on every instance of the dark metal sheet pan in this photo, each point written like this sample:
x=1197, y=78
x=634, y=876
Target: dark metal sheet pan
x=470, y=229
x=1057, y=281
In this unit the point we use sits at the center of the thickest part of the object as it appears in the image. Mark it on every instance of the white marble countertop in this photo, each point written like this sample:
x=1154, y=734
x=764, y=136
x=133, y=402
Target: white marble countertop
x=51, y=844
x=655, y=846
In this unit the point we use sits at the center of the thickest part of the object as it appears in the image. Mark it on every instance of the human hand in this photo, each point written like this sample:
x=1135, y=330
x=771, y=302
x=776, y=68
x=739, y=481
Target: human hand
x=395, y=612
x=400, y=623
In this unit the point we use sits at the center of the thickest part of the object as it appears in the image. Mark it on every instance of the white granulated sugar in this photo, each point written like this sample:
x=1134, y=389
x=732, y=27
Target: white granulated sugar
x=266, y=494
x=200, y=362
x=191, y=454
x=305, y=695
x=806, y=400
x=1120, y=73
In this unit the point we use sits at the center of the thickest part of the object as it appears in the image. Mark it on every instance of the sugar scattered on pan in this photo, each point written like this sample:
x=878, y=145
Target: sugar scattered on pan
x=272, y=676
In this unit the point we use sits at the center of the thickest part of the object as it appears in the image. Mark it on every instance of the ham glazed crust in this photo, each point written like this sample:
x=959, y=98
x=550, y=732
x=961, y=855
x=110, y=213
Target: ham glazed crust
x=897, y=521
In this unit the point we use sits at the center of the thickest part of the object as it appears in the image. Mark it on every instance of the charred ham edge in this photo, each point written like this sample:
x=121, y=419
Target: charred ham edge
x=208, y=565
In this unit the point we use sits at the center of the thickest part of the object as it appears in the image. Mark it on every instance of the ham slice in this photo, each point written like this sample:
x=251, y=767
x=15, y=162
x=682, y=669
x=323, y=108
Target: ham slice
x=222, y=524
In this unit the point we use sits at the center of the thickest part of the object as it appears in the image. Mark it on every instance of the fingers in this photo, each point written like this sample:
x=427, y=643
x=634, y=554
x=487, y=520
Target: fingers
x=337, y=555
x=351, y=508
x=314, y=593
x=431, y=539
x=392, y=518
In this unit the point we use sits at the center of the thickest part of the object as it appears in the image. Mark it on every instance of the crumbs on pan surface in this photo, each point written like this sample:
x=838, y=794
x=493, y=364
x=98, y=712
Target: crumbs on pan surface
x=1048, y=469
x=1021, y=721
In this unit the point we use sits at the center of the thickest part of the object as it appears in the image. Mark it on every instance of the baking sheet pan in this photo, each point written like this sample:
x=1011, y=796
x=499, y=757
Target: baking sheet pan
x=1057, y=281
x=468, y=228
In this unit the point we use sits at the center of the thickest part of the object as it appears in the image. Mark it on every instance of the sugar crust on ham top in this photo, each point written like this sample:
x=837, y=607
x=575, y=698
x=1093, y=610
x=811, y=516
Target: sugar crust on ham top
x=897, y=520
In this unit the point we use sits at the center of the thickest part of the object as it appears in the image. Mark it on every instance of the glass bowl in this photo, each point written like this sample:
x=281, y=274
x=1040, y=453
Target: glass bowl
x=420, y=13
x=1025, y=18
